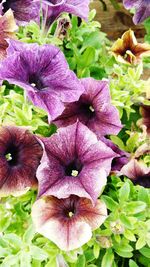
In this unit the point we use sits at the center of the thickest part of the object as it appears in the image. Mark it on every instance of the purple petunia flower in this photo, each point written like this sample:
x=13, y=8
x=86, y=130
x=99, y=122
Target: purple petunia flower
x=57, y=7
x=24, y=10
x=93, y=109
x=74, y=162
x=20, y=155
x=68, y=222
x=138, y=172
x=142, y=9
x=44, y=73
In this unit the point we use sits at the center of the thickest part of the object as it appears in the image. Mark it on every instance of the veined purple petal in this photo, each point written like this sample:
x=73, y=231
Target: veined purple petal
x=74, y=162
x=44, y=73
x=68, y=222
x=93, y=109
x=24, y=10
x=56, y=8
x=142, y=9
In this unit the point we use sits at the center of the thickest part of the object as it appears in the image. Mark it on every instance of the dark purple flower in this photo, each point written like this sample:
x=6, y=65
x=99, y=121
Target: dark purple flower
x=24, y=10
x=138, y=172
x=122, y=157
x=93, y=109
x=57, y=7
x=68, y=222
x=142, y=9
x=44, y=73
x=74, y=162
x=20, y=155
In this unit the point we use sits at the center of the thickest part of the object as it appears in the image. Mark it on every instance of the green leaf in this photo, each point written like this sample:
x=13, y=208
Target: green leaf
x=38, y=253
x=25, y=259
x=145, y=252
x=132, y=263
x=110, y=203
x=108, y=259
x=126, y=221
x=135, y=207
x=129, y=235
x=96, y=250
x=29, y=234
x=124, y=192
x=141, y=242
x=117, y=141
x=81, y=261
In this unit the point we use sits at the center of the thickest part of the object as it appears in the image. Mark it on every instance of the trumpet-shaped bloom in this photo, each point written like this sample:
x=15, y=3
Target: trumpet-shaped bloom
x=127, y=50
x=142, y=9
x=23, y=10
x=68, y=222
x=74, y=162
x=20, y=155
x=93, y=109
x=7, y=30
x=57, y=7
x=138, y=172
x=44, y=73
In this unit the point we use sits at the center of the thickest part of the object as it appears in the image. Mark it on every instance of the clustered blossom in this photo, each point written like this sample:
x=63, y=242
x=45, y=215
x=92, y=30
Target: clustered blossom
x=69, y=168
x=142, y=9
x=7, y=30
x=127, y=50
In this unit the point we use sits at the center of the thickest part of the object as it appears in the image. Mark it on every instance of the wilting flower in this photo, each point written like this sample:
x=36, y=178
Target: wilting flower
x=145, y=112
x=7, y=30
x=93, y=109
x=127, y=50
x=62, y=28
x=74, y=162
x=68, y=222
x=138, y=172
x=121, y=158
x=44, y=73
x=20, y=155
x=142, y=9
x=23, y=10
x=57, y=7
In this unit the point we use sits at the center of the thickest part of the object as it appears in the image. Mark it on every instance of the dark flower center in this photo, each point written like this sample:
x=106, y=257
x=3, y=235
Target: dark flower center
x=73, y=168
x=55, y=2
x=12, y=155
x=88, y=110
x=36, y=82
x=70, y=208
x=6, y=5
